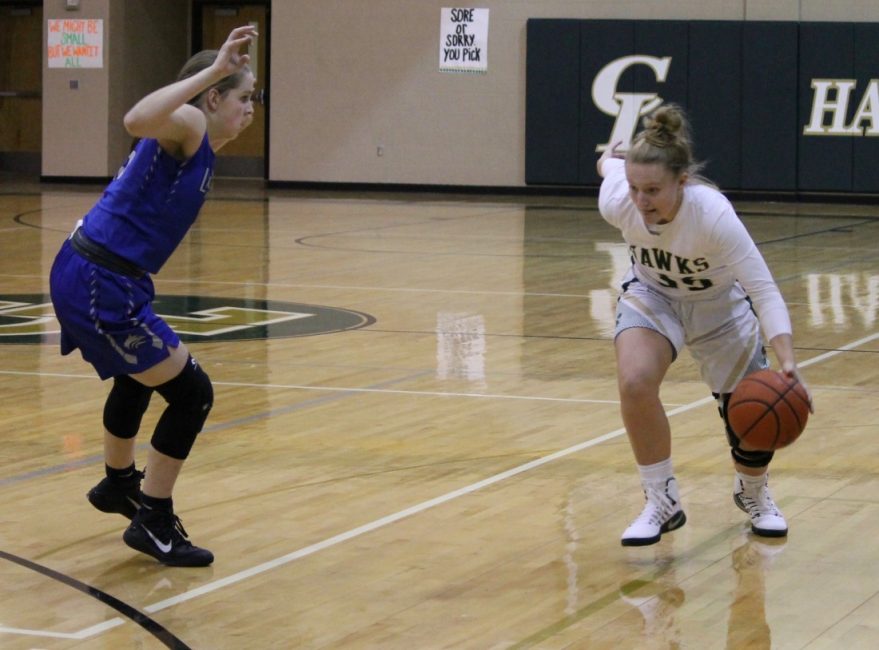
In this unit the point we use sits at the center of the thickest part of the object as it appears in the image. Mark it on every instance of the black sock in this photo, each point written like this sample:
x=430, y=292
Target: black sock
x=120, y=474
x=154, y=503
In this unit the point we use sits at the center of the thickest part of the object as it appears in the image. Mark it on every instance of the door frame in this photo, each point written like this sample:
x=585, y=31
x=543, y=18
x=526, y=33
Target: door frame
x=24, y=162
x=266, y=40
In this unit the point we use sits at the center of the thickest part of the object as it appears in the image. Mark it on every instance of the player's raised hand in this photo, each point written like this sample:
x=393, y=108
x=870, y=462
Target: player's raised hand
x=613, y=151
x=230, y=59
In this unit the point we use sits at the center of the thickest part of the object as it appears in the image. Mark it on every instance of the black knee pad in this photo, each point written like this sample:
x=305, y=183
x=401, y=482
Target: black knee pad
x=755, y=459
x=190, y=397
x=743, y=457
x=127, y=402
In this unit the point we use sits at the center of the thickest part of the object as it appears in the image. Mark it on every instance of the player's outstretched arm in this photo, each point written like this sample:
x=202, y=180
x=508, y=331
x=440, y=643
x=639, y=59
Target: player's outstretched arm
x=165, y=115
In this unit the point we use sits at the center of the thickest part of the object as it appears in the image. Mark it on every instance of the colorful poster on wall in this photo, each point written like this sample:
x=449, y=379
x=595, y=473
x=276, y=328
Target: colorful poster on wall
x=76, y=43
x=463, y=40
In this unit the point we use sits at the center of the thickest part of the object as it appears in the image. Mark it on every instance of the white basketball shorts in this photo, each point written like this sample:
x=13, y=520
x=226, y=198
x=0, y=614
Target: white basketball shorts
x=722, y=333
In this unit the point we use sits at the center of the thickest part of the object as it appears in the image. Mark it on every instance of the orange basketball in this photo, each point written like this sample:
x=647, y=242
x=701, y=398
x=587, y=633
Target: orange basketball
x=768, y=410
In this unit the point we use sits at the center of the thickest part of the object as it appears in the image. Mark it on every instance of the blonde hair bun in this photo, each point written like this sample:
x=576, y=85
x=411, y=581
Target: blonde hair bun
x=665, y=126
x=665, y=140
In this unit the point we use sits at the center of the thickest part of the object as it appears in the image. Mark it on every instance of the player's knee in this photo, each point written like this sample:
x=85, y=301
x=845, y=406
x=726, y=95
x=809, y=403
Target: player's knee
x=190, y=397
x=744, y=457
x=126, y=403
x=637, y=387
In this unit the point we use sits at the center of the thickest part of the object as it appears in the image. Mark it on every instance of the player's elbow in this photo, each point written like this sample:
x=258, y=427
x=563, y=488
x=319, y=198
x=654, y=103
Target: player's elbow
x=141, y=124
x=134, y=124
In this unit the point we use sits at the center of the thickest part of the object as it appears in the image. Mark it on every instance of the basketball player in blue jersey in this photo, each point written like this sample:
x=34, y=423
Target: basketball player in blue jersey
x=102, y=291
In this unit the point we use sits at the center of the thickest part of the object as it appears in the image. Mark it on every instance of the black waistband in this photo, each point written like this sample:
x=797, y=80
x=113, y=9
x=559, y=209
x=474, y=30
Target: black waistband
x=99, y=255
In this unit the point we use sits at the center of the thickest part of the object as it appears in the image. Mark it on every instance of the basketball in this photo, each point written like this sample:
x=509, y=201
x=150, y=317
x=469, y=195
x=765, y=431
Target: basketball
x=768, y=410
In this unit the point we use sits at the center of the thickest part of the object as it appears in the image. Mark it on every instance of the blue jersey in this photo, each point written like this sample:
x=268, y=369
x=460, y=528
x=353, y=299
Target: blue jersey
x=149, y=207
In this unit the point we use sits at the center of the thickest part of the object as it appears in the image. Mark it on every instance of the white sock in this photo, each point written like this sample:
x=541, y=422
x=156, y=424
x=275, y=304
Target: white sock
x=657, y=473
x=751, y=483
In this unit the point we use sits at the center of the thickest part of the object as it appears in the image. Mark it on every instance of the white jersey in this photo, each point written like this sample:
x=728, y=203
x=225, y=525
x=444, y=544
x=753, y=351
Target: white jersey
x=699, y=255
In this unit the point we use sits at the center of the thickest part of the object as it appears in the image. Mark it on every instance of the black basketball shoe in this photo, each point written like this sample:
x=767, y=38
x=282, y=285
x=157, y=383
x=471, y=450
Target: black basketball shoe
x=160, y=534
x=119, y=495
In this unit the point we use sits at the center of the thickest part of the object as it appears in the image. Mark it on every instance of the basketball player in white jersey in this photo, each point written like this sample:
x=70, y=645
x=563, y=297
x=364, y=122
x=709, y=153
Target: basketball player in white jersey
x=696, y=280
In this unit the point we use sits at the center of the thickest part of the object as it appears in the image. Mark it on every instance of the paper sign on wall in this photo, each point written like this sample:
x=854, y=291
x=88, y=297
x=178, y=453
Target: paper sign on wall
x=76, y=43
x=463, y=40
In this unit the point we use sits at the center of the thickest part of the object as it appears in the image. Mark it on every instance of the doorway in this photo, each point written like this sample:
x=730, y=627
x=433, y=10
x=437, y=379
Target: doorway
x=245, y=156
x=21, y=86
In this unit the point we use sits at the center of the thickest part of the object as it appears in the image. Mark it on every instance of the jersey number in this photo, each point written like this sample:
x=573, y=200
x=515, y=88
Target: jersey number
x=692, y=284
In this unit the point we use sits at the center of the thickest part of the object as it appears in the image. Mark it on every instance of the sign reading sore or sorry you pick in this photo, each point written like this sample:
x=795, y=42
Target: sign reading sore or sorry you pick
x=463, y=40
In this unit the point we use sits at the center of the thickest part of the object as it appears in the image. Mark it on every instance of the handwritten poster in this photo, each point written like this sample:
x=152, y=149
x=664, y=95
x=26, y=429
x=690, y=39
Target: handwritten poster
x=463, y=40
x=76, y=43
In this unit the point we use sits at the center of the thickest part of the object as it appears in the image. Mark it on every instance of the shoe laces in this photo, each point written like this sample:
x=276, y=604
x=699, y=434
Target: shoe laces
x=659, y=507
x=759, y=504
x=167, y=525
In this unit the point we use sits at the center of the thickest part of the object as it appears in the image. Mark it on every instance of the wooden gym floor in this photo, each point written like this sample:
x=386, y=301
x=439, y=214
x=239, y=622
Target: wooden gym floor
x=439, y=462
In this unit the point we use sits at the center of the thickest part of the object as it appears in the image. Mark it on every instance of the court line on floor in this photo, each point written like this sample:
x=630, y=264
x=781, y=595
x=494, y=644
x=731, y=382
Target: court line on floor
x=423, y=506
x=346, y=389
x=336, y=392
x=350, y=390
x=153, y=627
x=449, y=496
x=424, y=393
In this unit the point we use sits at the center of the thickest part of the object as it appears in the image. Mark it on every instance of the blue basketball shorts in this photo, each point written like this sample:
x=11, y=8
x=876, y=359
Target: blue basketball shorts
x=107, y=316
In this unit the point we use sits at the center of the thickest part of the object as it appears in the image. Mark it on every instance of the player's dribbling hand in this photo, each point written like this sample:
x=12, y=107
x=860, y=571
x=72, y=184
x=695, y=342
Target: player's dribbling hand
x=791, y=371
